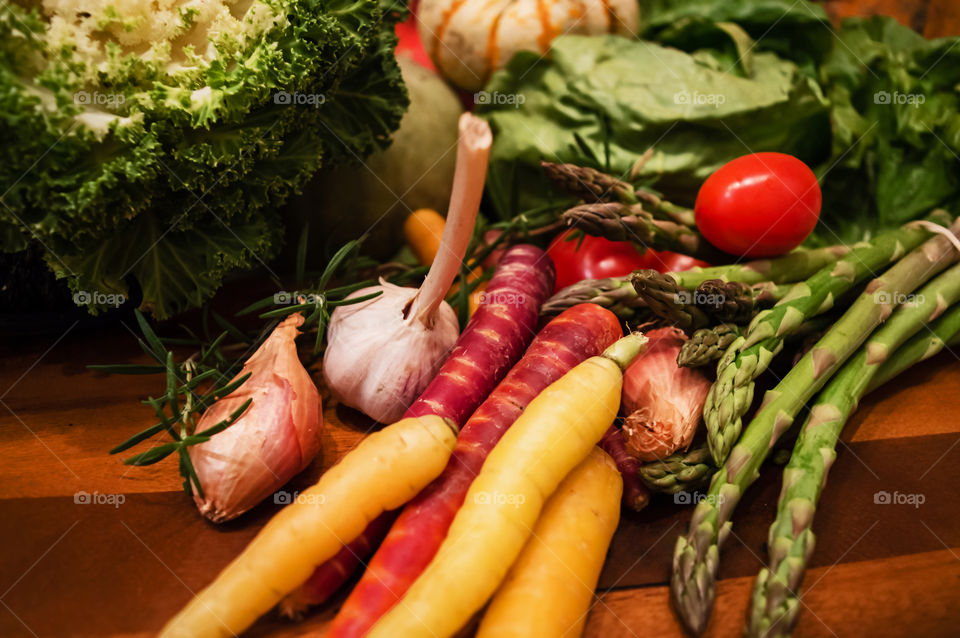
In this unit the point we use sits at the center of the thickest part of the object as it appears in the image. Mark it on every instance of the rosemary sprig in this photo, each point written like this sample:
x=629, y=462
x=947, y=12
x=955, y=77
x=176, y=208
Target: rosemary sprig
x=182, y=401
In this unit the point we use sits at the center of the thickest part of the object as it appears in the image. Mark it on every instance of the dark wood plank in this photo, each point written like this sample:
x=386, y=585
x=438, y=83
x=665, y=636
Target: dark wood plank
x=912, y=595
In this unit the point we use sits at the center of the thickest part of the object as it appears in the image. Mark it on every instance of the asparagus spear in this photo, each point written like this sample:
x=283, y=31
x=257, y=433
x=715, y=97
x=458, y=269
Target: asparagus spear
x=732, y=394
x=615, y=294
x=775, y=602
x=789, y=268
x=707, y=345
x=631, y=222
x=714, y=300
x=667, y=300
x=943, y=332
x=735, y=301
x=593, y=186
x=696, y=556
x=679, y=472
x=619, y=295
x=588, y=184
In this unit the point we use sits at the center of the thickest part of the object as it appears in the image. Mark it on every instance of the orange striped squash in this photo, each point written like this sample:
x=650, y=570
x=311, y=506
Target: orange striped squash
x=470, y=39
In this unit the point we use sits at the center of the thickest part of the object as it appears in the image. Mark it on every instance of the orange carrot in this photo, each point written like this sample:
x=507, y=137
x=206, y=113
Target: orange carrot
x=423, y=229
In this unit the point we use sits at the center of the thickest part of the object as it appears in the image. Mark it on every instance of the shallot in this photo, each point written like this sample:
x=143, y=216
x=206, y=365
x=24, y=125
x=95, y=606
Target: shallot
x=271, y=442
x=663, y=402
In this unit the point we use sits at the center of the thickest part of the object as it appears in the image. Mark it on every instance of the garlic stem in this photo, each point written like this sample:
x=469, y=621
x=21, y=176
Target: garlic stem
x=473, y=150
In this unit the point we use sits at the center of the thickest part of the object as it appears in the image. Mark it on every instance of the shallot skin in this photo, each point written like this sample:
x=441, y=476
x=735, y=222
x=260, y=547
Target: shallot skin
x=662, y=402
x=271, y=442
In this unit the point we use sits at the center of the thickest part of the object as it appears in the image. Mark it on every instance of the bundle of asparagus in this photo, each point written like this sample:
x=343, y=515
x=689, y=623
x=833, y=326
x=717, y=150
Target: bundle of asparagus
x=749, y=356
x=775, y=600
x=696, y=556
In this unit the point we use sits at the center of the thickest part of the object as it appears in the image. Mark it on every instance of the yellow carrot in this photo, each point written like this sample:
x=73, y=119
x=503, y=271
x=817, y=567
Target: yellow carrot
x=548, y=590
x=423, y=229
x=552, y=436
x=383, y=472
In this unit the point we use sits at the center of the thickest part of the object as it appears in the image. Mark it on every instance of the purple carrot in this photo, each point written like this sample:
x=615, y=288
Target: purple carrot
x=635, y=494
x=494, y=338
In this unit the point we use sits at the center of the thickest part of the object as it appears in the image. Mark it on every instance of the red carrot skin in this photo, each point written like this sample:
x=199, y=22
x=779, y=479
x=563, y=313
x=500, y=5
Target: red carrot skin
x=494, y=338
x=577, y=334
x=324, y=582
x=635, y=494
x=492, y=342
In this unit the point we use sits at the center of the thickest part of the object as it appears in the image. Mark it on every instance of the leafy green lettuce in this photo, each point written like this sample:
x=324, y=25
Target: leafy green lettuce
x=872, y=106
x=603, y=101
x=895, y=145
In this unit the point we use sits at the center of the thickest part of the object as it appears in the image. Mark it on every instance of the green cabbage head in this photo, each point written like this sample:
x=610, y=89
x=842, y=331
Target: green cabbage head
x=151, y=141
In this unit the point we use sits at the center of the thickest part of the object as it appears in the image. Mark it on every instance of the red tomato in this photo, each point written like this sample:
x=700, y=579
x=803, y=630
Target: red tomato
x=598, y=258
x=759, y=205
x=666, y=261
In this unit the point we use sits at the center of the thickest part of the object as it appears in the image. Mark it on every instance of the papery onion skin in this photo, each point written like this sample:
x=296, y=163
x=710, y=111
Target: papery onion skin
x=378, y=361
x=271, y=442
x=663, y=402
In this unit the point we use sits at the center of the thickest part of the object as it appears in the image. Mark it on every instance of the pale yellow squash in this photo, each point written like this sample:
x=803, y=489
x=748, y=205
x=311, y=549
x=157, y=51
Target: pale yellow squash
x=470, y=39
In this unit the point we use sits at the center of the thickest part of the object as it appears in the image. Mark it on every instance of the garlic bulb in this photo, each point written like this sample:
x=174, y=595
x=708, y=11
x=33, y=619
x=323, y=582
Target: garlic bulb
x=379, y=362
x=382, y=353
x=663, y=402
x=271, y=442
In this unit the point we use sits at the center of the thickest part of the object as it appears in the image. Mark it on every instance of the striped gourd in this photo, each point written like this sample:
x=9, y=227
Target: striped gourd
x=469, y=39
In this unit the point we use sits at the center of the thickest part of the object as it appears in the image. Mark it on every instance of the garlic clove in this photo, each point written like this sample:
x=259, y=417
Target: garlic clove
x=276, y=438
